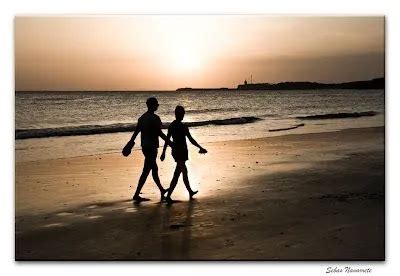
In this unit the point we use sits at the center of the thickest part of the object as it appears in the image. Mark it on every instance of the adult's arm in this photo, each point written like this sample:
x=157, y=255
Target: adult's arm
x=136, y=132
x=165, y=145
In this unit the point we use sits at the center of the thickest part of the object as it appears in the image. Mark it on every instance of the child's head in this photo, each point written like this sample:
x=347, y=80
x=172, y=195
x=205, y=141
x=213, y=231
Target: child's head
x=179, y=112
x=152, y=104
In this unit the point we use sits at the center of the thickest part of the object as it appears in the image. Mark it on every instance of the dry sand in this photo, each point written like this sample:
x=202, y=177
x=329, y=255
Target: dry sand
x=295, y=197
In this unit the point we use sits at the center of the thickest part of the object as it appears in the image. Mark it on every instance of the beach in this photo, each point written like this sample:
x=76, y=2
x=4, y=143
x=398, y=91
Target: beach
x=308, y=196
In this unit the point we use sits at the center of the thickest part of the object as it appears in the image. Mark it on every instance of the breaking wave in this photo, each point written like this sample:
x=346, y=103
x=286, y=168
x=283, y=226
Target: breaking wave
x=337, y=115
x=113, y=128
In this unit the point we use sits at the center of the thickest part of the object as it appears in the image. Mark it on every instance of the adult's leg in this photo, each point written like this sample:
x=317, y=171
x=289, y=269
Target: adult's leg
x=146, y=170
x=154, y=172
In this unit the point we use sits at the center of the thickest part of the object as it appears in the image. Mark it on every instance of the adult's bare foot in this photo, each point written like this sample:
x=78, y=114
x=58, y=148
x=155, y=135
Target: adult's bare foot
x=163, y=194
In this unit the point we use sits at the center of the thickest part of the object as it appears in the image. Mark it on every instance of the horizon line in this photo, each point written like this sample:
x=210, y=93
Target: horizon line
x=208, y=88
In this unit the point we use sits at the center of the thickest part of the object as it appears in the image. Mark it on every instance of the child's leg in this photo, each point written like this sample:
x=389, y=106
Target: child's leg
x=174, y=181
x=186, y=180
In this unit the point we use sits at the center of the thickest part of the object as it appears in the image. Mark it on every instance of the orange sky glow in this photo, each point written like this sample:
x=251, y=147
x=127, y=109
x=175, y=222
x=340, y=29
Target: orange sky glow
x=168, y=52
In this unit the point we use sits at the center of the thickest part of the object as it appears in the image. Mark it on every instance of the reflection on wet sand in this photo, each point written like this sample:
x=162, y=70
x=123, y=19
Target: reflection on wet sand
x=252, y=204
x=176, y=232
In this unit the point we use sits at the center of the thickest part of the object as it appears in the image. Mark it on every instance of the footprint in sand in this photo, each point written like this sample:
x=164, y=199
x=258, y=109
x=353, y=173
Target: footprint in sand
x=50, y=225
x=94, y=217
x=64, y=214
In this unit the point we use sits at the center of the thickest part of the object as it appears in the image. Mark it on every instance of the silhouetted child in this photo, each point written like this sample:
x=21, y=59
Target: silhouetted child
x=179, y=131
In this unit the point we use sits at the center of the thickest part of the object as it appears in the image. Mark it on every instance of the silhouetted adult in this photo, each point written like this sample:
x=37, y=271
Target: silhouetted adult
x=149, y=125
x=179, y=131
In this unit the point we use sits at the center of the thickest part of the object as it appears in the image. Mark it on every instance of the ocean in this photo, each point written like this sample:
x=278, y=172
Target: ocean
x=51, y=125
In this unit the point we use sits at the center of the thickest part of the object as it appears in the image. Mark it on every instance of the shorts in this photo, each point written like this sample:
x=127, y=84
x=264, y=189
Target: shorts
x=180, y=154
x=150, y=153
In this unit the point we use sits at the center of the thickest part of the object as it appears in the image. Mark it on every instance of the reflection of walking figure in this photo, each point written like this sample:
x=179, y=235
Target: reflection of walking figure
x=149, y=124
x=179, y=131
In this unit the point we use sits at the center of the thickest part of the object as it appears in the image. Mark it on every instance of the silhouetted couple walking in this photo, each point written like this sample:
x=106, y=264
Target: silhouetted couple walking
x=149, y=125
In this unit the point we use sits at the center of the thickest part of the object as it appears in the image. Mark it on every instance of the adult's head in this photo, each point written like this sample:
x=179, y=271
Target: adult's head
x=179, y=112
x=152, y=104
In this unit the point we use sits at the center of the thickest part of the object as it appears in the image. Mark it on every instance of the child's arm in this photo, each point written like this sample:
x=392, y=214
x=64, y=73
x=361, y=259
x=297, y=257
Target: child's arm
x=194, y=142
x=166, y=143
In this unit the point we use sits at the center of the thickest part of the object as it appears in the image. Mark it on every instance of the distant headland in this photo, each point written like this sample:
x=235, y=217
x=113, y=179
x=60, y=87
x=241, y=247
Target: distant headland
x=378, y=83
x=203, y=89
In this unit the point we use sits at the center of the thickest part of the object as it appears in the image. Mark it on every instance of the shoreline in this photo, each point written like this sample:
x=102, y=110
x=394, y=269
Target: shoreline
x=138, y=149
x=87, y=130
x=313, y=196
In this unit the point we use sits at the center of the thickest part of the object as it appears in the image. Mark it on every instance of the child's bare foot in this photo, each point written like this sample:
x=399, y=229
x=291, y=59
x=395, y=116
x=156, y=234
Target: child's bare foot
x=169, y=200
x=192, y=194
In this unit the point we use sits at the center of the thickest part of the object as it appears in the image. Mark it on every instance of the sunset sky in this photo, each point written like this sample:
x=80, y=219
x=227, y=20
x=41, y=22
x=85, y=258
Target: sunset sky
x=168, y=52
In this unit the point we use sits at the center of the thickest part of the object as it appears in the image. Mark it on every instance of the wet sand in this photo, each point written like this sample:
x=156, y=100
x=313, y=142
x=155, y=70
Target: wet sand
x=295, y=197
